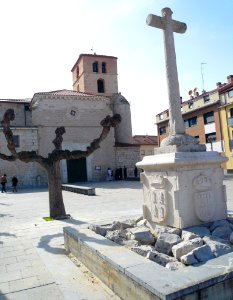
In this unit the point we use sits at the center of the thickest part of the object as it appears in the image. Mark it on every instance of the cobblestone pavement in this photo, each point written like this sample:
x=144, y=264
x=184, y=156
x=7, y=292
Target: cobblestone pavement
x=33, y=263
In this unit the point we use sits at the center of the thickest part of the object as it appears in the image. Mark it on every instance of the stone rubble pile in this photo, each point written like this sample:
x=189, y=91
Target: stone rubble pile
x=171, y=247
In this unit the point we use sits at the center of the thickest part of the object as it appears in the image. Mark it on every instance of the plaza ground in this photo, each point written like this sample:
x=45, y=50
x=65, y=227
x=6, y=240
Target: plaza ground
x=33, y=263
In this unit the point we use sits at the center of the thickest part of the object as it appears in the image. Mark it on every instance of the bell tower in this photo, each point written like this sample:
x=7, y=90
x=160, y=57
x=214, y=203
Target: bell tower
x=95, y=74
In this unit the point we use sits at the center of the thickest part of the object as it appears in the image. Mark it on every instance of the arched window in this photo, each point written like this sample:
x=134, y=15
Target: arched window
x=104, y=70
x=95, y=67
x=100, y=86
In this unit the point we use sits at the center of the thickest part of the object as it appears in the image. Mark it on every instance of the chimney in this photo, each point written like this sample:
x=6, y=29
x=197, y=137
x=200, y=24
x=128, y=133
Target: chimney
x=230, y=79
x=218, y=84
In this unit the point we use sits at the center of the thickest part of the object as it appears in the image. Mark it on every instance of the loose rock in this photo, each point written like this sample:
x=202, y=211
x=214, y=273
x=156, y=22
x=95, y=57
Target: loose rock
x=222, y=232
x=160, y=258
x=143, y=249
x=185, y=247
x=217, y=246
x=165, y=242
x=199, y=230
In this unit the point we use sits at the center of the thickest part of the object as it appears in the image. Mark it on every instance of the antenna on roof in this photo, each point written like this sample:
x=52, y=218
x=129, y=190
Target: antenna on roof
x=92, y=50
x=202, y=76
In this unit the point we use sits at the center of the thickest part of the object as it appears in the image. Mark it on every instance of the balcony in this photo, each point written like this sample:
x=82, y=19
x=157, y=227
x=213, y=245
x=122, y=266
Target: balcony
x=230, y=122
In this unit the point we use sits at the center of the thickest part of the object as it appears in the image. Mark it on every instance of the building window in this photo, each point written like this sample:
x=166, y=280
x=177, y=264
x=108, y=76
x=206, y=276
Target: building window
x=197, y=138
x=206, y=98
x=161, y=117
x=210, y=137
x=190, y=122
x=231, y=112
x=230, y=93
x=95, y=67
x=104, y=67
x=142, y=152
x=208, y=117
x=100, y=86
x=16, y=140
x=77, y=72
x=162, y=130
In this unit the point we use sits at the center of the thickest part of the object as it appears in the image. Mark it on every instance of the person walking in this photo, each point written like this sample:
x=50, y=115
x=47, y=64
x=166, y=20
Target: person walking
x=14, y=184
x=125, y=172
x=3, y=183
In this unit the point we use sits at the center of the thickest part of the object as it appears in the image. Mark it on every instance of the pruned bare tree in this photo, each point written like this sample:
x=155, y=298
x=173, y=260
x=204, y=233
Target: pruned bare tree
x=51, y=163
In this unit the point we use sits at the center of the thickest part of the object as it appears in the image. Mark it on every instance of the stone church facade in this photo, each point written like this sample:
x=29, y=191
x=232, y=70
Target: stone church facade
x=94, y=96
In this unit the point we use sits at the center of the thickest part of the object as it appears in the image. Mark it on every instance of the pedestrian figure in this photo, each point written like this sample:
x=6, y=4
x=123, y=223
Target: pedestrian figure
x=3, y=183
x=14, y=184
x=135, y=172
x=125, y=172
x=109, y=175
x=120, y=173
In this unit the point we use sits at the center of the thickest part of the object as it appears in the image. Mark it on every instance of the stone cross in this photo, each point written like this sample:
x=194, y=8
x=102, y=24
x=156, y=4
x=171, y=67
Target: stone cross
x=169, y=26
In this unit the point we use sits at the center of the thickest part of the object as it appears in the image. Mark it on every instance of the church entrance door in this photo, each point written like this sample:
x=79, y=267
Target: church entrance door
x=77, y=170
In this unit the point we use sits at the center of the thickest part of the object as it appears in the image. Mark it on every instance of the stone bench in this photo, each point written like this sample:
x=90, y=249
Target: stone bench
x=90, y=191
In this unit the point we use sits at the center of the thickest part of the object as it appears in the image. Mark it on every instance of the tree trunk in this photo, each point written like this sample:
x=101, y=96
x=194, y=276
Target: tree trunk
x=56, y=204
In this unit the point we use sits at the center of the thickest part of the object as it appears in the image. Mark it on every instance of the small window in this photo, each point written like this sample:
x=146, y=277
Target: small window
x=77, y=72
x=231, y=112
x=162, y=130
x=230, y=93
x=95, y=67
x=100, y=86
x=104, y=67
x=161, y=117
x=190, y=122
x=197, y=138
x=16, y=140
x=208, y=117
x=206, y=98
x=210, y=137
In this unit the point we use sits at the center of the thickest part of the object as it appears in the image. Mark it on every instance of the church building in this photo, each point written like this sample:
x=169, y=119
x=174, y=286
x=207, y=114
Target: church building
x=94, y=96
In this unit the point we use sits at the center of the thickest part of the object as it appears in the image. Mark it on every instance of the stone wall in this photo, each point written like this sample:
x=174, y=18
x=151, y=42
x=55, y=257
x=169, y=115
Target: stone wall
x=29, y=174
x=127, y=156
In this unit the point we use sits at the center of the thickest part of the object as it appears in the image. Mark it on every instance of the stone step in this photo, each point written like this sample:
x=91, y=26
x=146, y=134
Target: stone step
x=85, y=190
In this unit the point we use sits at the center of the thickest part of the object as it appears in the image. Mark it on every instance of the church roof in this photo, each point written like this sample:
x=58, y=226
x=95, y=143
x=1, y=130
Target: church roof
x=145, y=139
x=26, y=100
x=64, y=93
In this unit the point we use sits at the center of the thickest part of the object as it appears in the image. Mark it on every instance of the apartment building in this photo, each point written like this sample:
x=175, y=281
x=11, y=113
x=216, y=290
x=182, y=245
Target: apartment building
x=209, y=118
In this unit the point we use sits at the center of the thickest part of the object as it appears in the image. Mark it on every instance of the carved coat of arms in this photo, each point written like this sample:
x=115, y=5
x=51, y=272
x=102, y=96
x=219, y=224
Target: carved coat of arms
x=204, y=198
x=155, y=197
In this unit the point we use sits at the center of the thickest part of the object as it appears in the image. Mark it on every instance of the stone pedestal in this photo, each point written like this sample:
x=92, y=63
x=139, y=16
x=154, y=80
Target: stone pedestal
x=183, y=189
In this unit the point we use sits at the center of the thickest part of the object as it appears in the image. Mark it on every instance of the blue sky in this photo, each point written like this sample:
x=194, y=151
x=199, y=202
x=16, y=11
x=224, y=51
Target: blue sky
x=42, y=39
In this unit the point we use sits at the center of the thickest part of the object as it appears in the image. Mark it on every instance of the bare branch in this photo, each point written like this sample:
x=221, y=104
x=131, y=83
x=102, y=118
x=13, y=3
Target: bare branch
x=59, y=139
x=106, y=123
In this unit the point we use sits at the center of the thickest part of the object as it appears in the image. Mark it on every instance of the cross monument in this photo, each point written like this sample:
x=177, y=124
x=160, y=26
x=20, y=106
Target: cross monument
x=182, y=182
x=169, y=26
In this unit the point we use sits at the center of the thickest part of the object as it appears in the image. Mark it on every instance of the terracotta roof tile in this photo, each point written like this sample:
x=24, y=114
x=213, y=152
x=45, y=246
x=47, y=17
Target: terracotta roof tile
x=145, y=139
x=64, y=93
x=26, y=100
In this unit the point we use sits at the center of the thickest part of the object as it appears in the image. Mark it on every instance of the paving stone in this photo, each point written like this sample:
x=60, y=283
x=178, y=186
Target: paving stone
x=9, y=276
x=8, y=260
x=23, y=284
x=17, y=266
x=4, y=288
